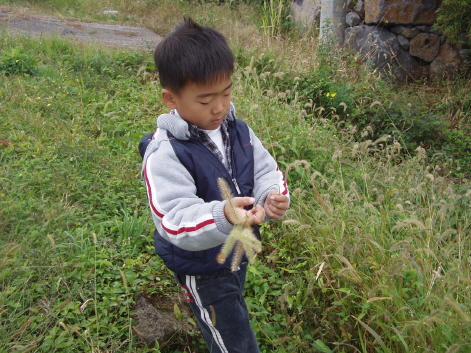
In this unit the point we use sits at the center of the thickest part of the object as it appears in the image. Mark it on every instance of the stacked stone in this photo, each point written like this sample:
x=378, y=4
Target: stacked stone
x=396, y=36
x=402, y=31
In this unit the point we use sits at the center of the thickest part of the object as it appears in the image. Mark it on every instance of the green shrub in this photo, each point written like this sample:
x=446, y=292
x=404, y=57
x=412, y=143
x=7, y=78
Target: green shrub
x=403, y=123
x=17, y=62
x=454, y=20
x=455, y=152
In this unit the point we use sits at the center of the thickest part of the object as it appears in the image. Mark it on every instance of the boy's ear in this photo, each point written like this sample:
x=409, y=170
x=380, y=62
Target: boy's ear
x=169, y=98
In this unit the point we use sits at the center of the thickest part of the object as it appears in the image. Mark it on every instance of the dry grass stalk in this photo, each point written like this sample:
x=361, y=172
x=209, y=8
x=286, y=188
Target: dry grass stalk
x=241, y=239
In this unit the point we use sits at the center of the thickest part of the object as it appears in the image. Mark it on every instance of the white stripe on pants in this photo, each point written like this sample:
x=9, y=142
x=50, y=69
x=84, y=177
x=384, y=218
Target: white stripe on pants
x=190, y=282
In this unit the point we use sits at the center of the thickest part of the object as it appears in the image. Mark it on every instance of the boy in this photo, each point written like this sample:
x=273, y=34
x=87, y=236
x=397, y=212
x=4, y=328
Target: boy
x=199, y=141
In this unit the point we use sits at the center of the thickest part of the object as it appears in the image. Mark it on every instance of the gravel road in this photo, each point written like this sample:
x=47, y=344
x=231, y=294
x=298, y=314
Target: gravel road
x=114, y=35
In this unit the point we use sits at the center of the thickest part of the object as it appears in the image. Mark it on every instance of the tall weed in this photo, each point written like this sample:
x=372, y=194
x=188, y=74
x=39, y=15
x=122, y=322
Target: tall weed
x=362, y=250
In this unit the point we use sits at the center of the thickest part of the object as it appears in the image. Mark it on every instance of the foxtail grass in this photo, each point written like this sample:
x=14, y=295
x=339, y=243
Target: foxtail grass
x=241, y=240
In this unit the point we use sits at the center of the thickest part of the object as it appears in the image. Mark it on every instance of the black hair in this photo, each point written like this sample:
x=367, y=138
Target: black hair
x=192, y=53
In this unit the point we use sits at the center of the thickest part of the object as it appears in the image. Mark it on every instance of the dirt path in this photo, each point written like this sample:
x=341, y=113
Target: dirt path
x=114, y=35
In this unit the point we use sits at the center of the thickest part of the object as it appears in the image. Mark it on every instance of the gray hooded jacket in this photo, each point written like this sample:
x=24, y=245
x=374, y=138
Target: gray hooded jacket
x=180, y=216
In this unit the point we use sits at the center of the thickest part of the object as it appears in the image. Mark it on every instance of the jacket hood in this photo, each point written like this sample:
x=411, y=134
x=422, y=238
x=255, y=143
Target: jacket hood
x=177, y=127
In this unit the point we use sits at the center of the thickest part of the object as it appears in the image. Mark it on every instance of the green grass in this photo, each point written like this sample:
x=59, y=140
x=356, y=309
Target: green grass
x=75, y=238
x=373, y=256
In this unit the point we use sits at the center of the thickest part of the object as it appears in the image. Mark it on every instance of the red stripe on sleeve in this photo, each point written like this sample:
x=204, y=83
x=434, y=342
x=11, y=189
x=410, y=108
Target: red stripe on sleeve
x=161, y=215
x=149, y=194
x=285, y=185
x=188, y=229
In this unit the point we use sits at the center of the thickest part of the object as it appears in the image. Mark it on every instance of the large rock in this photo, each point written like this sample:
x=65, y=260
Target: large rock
x=360, y=6
x=306, y=13
x=405, y=31
x=447, y=62
x=425, y=46
x=352, y=19
x=403, y=41
x=400, y=11
x=381, y=48
x=333, y=21
x=159, y=323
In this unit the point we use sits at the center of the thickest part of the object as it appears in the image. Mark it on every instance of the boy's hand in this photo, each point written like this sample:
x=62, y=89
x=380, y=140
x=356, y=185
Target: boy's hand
x=237, y=214
x=276, y=204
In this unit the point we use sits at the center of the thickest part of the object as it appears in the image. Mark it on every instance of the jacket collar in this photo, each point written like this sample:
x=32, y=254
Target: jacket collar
x=179, y=127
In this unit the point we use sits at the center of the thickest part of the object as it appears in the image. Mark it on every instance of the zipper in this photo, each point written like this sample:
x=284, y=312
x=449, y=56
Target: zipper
x=236, y=185
x=234, y=181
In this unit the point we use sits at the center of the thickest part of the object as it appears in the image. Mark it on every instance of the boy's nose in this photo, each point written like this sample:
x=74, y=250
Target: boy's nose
x=218, y=106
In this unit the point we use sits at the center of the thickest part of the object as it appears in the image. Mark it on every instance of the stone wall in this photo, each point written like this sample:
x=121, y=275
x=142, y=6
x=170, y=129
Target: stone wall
x=305, y=13
x=391, y=12
x=398, y=37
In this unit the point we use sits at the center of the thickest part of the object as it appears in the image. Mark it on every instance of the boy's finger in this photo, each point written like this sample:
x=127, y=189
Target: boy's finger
x=272, y=214
x=275, y=212
x=258, y=209
x=258, y=214
x=279, y=204
x=278, y=197
x=243, y=201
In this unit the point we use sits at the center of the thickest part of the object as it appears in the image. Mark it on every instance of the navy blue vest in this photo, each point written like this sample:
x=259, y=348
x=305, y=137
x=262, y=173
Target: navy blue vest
x=206, y=168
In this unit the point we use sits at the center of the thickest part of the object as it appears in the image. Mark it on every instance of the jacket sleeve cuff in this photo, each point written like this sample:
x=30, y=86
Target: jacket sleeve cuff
x=224, y=226
x=261, y=202
x=263, y=197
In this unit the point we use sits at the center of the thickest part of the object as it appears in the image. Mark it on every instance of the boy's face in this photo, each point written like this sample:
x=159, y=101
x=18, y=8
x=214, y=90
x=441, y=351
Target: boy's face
x=203, y=105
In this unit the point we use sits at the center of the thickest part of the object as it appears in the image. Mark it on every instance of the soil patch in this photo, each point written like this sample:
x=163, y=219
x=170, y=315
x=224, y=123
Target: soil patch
x=37, y=26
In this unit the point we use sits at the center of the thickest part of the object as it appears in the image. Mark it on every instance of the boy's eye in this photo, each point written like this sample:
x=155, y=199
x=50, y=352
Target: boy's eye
x=204, y=103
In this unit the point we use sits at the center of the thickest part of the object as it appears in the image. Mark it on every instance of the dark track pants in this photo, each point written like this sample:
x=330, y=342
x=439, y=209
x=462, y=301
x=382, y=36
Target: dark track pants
x=220, y=309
